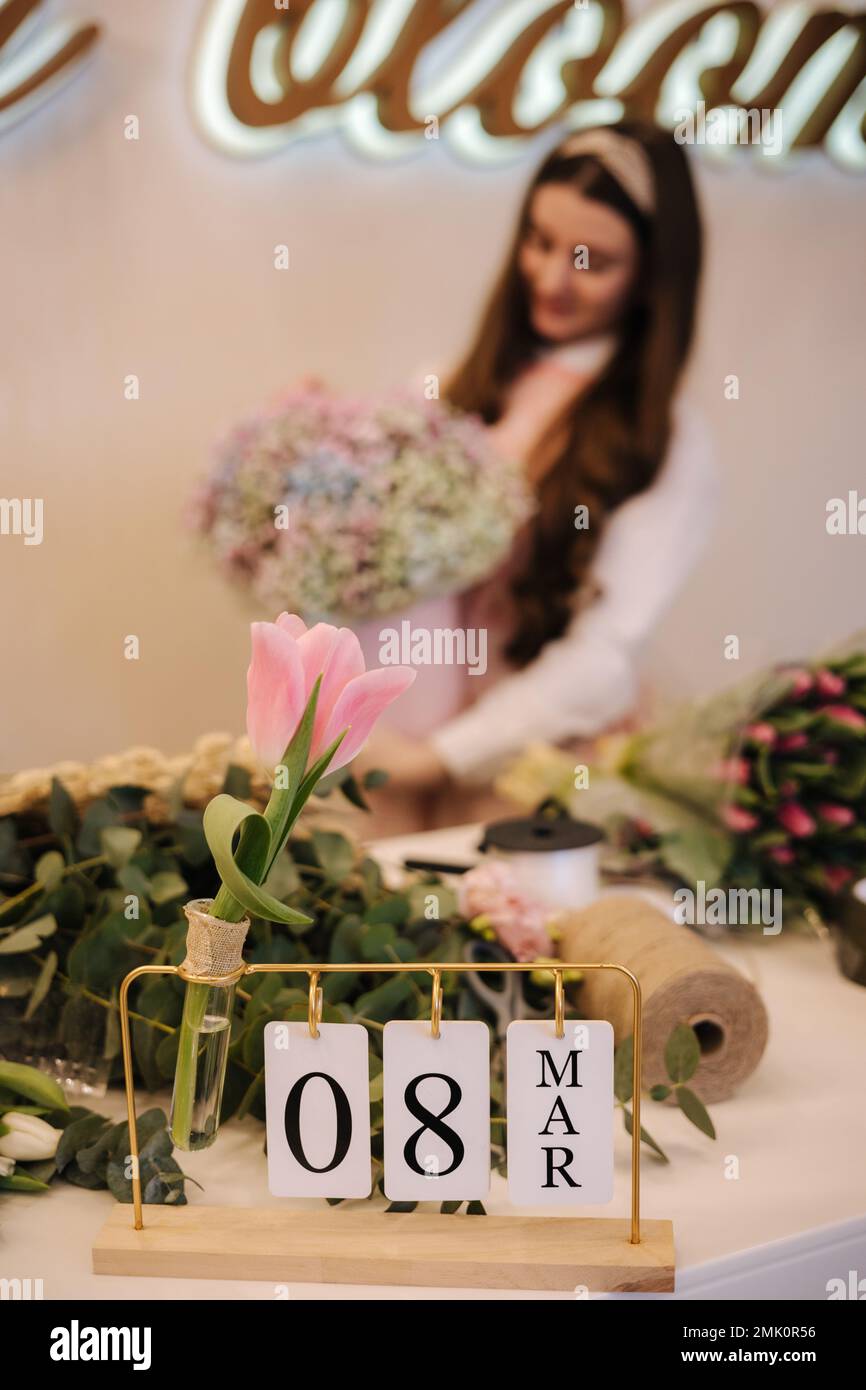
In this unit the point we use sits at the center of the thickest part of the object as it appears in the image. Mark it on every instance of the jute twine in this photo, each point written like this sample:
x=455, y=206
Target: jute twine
x=213, y=947
x=682, y=981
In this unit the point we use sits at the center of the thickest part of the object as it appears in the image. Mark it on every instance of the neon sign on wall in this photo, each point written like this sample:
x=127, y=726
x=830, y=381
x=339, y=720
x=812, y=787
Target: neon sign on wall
x=488, y=75
x=264, y=79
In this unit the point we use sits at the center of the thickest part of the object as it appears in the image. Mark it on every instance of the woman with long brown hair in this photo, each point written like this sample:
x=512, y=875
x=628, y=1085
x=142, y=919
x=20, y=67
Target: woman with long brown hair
x=575, y=369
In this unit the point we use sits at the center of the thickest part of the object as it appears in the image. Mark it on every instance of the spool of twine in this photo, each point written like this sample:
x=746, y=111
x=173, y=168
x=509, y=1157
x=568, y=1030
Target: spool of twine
x=682, y=980
x=213, y=947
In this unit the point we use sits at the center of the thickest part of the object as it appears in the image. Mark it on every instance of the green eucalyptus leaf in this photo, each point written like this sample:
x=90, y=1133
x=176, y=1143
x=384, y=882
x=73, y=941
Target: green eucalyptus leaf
x=394, y=909
x=694, y=1110
x=376, y=777
x=646, y=1137
x=623, y=1067
x=682, y=1053
x=42, y=985
x=167, y=886
x=29, y=937
x=62, y=815
x=119, y=843
x=336, y=854
x=237, y=781
x=383, y=1001
x=49, y=869
x=98, y=816
x=377, y=942
x=353, y=794
x=81, y=1134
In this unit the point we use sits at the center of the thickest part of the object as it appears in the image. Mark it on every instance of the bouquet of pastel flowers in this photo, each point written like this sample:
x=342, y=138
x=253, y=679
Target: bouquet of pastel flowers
x=346, y=508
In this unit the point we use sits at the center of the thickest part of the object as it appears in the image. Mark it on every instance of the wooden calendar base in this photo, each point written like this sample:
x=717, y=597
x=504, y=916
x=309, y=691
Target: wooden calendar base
x=374, y=1247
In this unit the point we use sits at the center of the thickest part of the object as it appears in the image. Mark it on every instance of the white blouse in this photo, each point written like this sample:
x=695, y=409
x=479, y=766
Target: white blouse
x=586, y=680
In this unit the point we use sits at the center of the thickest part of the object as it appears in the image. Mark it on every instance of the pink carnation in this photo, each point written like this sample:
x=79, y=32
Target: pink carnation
x=491, y=890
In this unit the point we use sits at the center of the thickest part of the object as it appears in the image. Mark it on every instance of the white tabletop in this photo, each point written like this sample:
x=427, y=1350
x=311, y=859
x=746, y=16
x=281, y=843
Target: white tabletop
x=795, y=1216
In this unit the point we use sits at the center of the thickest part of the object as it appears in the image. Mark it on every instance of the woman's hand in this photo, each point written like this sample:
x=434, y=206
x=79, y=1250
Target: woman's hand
x=412, y=764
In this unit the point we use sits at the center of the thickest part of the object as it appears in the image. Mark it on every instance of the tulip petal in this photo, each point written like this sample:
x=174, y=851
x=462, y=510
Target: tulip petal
x=357, y=708
x=292, y=624
x=275, y=691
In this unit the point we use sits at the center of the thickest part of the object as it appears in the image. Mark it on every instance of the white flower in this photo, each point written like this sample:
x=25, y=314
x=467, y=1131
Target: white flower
x=28, y=1138
x=7, y=1167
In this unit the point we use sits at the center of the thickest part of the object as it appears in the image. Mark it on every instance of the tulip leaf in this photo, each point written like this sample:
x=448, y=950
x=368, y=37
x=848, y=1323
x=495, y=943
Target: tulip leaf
x=35, y=1085
x=281, y=812
x=315, y=773
x=222, y=818
x=22, y=1182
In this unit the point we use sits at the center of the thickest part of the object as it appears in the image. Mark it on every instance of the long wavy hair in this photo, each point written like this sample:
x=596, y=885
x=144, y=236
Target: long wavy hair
x=611, y=443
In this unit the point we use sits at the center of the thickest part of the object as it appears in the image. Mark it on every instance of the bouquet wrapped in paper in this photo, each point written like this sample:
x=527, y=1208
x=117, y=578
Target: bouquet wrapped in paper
x=762, y=786
x=347, y=509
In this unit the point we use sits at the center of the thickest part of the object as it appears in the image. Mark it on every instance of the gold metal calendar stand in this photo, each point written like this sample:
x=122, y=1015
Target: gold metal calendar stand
x=339, y=1246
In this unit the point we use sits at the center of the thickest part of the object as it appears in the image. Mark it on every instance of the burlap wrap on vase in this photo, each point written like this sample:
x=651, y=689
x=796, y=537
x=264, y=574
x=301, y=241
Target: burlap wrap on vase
x=682, y=980
x=213, y=947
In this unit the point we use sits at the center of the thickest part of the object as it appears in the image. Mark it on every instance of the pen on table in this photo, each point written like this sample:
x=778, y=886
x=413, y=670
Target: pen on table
x=432, y=866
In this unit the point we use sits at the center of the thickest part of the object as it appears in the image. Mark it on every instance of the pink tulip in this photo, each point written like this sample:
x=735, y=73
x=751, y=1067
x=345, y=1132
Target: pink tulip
x=738, y=820
x=835, y=814
x=830, y=756
x=761, y=733
x=782, y=854
x=844, y=714
x=287, y=658
x=829, y=684
x=801, y=683
x=791, y=743
x=796, y=820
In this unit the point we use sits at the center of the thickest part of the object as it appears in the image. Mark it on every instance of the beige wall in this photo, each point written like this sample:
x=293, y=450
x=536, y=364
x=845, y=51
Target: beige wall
x=156, y=258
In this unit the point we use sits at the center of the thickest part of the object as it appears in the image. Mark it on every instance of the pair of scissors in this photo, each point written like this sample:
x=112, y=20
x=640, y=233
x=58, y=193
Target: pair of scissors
x=508, y=1002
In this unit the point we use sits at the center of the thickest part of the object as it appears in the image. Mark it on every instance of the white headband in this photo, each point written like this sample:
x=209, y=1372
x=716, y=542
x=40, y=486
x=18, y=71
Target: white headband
x=624, y=159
